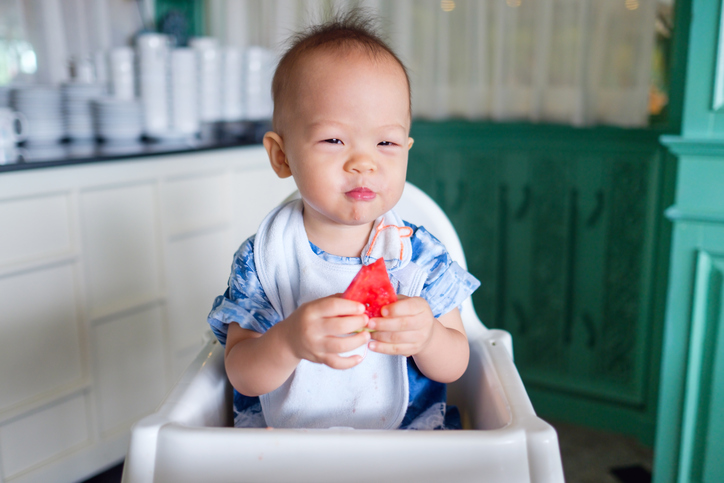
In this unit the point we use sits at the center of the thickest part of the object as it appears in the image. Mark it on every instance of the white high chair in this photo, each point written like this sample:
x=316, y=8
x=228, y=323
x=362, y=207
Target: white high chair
x=189, y=438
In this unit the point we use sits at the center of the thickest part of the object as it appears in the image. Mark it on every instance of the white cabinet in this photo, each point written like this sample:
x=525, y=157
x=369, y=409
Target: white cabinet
x=107, y=272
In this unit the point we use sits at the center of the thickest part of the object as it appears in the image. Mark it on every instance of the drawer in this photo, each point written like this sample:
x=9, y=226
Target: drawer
x=34, y=228
x=191, y=204
x=43, y=435
x=40, y=347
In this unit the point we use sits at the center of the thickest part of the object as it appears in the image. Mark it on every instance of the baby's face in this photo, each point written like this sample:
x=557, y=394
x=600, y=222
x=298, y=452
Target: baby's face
x=346, y=136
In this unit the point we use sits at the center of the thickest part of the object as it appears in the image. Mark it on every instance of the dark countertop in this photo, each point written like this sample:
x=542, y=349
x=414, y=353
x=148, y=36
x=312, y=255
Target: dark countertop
x=66, y=153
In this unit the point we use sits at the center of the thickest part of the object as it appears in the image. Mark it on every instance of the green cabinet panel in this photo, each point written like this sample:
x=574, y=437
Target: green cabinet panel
x=563, y=227
x=700, y=119
x=701, y=185
x=702, y=395
x=690, y=426
x=690, y=431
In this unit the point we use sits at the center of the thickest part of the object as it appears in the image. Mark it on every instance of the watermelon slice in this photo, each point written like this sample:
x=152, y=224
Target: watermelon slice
x=371, y=286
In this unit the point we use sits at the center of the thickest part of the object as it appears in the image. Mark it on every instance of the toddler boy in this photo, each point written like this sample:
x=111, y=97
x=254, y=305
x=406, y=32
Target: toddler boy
x=297, y=354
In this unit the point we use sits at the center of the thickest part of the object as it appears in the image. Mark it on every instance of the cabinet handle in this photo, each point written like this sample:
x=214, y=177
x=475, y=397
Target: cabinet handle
x=590, y=329
x=522, y=210
x=570, y=270
x=597, y=211
x=521, y=316
x=502, y=255
x=461, y=194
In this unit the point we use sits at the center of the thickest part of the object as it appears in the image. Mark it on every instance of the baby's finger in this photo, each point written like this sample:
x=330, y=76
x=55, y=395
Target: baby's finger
x=406, y=306
x=336, y=361
x=346, y=324
x=392, y=349
x=333, y=306
x=401, y=323
x=397, y=337
x=337, y=345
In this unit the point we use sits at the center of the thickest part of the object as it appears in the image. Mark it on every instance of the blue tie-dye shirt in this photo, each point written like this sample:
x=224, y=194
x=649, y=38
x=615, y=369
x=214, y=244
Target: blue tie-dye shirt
x=446, y=287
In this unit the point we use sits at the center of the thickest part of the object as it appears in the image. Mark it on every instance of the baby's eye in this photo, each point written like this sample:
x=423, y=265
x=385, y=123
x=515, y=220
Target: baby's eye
x=333, y=141
x=386, y=143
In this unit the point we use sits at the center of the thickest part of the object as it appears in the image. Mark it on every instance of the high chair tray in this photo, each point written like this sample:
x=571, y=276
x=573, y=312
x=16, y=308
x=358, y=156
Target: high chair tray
x=189, y=438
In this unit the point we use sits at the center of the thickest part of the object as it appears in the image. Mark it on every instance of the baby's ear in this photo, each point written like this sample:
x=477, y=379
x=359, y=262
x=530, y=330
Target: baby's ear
x=274, y=145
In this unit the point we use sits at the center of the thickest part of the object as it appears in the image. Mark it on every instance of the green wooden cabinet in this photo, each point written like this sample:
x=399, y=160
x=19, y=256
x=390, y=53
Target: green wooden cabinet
x=690, y=428
x=565, y=229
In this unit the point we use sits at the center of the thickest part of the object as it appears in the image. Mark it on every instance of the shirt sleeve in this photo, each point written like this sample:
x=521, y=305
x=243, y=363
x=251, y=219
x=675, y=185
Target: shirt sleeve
x=244, y=301
x=448, y=284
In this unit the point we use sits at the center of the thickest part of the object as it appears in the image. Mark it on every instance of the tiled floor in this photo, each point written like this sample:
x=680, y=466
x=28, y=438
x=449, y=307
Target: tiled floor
x=112, y=475
x=589, y=456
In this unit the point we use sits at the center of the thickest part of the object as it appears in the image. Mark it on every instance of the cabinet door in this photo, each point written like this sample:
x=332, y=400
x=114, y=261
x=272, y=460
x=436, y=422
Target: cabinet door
x=197, y=223
x=702, y=438
x=690, y=431
x=206, y=218
x=580, y=324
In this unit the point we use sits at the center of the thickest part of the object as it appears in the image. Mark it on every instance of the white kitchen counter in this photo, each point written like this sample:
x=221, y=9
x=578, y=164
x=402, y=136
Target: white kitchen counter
x=107, y=272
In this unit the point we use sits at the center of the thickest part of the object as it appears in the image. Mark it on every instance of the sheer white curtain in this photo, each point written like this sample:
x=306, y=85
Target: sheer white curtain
x=579, y=62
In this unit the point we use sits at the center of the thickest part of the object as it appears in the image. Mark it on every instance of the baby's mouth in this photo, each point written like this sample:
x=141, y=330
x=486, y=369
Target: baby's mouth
x=361, y=194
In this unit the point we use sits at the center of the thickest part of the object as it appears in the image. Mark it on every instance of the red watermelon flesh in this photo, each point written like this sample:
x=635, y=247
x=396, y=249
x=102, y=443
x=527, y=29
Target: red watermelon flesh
x=371, y=286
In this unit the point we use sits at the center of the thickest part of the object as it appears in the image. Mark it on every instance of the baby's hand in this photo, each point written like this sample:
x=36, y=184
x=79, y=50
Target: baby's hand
x=405, y=328
x=318, y=331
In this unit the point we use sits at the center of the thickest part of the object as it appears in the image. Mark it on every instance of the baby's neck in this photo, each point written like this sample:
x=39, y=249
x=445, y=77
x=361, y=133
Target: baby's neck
x=342, y=241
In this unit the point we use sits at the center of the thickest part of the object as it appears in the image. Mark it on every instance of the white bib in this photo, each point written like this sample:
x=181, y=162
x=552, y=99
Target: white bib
x=372, y=395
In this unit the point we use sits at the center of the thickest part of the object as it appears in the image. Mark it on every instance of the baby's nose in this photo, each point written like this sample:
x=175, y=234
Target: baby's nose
x=360, y=163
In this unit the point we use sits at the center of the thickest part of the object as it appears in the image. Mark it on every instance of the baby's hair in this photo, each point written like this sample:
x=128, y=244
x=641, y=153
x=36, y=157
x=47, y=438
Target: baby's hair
x=344, y=32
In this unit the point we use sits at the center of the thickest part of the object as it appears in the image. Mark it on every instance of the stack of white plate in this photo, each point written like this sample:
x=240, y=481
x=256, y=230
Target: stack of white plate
x=231, y=84
x=153, y=51
x=82, y=69
x=42, y=107
x=100, y=64
x=209, y=75
x=77, y=99
x=184, y=93
x=258, y=70
x=117, y=119
x=122, y=73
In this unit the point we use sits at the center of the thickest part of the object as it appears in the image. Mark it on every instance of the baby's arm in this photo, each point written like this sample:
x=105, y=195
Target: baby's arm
x=259, y=363
x=408, y=327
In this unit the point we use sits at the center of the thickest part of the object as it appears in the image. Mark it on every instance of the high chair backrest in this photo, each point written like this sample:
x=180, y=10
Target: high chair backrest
x=418, y=208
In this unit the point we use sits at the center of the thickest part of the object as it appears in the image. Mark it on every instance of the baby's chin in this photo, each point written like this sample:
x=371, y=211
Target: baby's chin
x=363, y=216
x=353, y=221
x=356, y=214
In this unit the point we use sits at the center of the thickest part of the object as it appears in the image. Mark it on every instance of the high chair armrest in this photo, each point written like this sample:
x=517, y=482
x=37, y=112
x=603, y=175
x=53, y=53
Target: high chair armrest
x=543, y=452
x=202, y=397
